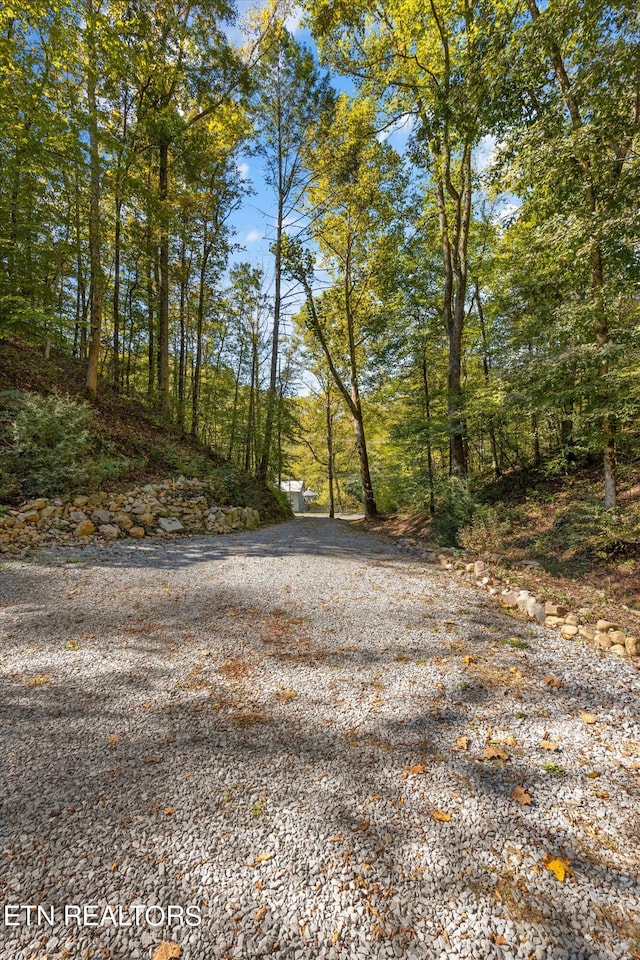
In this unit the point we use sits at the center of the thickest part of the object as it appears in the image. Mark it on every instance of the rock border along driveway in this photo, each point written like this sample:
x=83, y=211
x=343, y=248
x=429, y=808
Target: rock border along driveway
x=310, y=743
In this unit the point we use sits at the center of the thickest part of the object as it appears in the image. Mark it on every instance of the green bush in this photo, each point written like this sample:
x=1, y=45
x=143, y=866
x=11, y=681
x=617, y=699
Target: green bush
x=485, y=531
x=50, y=448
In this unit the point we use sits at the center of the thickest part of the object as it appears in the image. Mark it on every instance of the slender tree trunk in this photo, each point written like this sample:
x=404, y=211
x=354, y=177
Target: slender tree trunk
x=96, y=287
x=184, y=281
x=197, y=373
x=487, y=376
x=151, y=380
x=332, y=508
x=427, y=410
x=273, y=375
x=234, y=414
x=116, y=293
x=163, y=276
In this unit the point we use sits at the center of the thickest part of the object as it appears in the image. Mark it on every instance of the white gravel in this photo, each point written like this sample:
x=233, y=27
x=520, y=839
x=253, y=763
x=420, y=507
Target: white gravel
x=152, y=753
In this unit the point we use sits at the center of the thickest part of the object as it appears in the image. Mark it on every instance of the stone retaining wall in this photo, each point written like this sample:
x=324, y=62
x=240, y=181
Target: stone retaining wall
x=154, y=509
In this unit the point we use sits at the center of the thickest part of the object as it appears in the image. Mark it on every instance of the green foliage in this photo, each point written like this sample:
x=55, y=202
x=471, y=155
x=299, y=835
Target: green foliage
x=485, y=530
x=50, y=448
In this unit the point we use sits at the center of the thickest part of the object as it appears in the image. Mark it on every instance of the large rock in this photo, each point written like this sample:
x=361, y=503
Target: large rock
x=633, y=646
x=170, y=524
x=535, y=610
x=101, y=516
x=109, y=530
x=555, y=610
x=84, y=529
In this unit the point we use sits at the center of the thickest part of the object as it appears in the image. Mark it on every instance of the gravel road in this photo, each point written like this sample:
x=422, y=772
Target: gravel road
x=288, y=736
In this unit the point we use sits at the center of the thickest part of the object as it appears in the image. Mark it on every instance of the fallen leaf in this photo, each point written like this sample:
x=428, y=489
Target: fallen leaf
x=261, y=914
x=415, y=769
x=168, y=811
x=286, y=696
x=548, y=745
x=587, y=717
x=441, y=816
x=363, y=827
x=467, y=660
x=261, y=858
x=520, y=795
x=167, y=950
x=113, y=739
x=509, y=741
x=335, y=937
x=559, y=866
x=114, y=866
x=553, y=682
x=594, y=774
x=494, y=753
x=152, y=759
x=462, y=743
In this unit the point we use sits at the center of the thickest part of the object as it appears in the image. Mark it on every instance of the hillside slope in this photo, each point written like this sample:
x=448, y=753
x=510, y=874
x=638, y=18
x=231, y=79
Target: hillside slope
x=146, y=447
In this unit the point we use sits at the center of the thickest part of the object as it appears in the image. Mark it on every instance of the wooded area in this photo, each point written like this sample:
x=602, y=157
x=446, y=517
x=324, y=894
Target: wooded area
x=464, y=307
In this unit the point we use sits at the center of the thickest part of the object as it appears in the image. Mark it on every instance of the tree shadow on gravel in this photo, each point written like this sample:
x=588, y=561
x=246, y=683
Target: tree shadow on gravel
x=185, y=768
x=187, y=761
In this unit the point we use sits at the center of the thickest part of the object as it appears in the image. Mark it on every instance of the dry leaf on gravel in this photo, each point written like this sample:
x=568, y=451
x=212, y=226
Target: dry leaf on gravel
x=594, y=774
x=559, y=866
x=335, y=937
x=285, y=696
x=261, y=914
x=468, y=660
x=168, y=811
x=494, y=753
x=548, y=745
x=441, y=816
x=152, y=759
x=520, y=795
x=462, y=743
x=167, y=950
x=113, y=739
x=415, y=769
x=261, y=858
x=587, y=717
x=553, y=682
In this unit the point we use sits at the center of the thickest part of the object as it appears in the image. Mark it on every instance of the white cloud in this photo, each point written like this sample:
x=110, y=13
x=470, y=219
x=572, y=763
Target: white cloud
x=243, y=170
x=402, y=126
x=293, y=22
x=484, y=153
x=253, y=236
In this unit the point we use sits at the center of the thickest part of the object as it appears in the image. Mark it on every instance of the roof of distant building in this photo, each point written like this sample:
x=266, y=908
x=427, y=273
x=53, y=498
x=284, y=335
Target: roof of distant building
x=292, y=486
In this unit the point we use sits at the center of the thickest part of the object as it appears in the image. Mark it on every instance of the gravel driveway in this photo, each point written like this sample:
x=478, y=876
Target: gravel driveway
x=309, y=742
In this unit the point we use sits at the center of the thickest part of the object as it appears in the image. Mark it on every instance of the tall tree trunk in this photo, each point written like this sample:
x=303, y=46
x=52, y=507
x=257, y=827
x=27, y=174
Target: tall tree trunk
x=184, y=281
x=487, y=375
x=96, y=287
x=197, y=372
x=234, y=414
x=273, y=375
x=151, y=380
x=163, y=276
x=116, y=294
x=330, y=463
x=427, y=410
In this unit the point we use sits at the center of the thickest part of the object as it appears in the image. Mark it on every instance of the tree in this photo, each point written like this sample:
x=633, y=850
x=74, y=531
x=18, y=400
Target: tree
x=573, y=152
x=431, y=62
x=289, y=101
x=354, y=203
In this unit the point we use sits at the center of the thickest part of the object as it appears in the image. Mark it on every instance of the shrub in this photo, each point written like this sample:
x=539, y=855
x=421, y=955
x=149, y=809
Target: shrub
x=50, y=449
x=485, y=531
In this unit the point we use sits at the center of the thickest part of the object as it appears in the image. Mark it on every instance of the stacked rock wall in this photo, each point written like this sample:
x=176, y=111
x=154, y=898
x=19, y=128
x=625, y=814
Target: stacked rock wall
x=154, y=509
